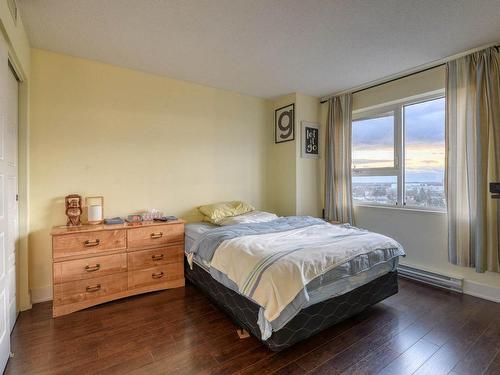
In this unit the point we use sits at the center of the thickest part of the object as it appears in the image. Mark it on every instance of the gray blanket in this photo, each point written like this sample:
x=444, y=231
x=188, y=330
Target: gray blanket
x=204, y=248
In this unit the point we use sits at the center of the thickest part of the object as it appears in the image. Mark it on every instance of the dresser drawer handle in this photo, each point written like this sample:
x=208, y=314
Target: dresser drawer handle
x=158, y=257
x=156, y=235
x=94, y=288
x=93, y=268
x=157, y=275
x=90, y=243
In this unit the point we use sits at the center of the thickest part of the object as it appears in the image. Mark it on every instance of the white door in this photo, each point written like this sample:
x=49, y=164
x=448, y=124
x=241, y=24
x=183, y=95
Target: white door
x=8, y=203
x=11, y=140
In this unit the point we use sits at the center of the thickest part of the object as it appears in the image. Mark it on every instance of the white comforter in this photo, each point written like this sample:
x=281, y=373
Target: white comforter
x=273, y=268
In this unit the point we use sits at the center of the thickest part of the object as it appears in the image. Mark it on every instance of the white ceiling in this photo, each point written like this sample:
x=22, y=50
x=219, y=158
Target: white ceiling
x=264, y=47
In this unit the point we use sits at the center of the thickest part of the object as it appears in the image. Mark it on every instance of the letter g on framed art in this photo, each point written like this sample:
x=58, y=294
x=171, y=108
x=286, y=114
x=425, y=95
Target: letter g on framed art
x=284, y=124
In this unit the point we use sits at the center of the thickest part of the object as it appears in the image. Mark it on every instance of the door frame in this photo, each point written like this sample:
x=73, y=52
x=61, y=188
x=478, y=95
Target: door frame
x=22, y=267
x=16, y=245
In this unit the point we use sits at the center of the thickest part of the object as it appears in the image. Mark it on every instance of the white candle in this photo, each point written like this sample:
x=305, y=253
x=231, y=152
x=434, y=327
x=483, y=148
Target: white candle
x=95, y=212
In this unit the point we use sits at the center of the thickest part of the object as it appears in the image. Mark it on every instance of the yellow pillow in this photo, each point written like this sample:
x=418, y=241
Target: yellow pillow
x=219, y=211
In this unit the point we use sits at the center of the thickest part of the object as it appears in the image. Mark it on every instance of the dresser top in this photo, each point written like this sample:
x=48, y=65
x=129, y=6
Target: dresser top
x=63, y=229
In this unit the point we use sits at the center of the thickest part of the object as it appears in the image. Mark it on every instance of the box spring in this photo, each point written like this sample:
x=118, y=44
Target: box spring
x=308, y=321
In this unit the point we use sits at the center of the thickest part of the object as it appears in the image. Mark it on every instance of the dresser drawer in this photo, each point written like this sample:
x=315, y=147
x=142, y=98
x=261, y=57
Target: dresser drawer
x=155, y=275
x=85, y=290
x=155, y=257
x=87, y=243
x=155, y=236
x=80, y=269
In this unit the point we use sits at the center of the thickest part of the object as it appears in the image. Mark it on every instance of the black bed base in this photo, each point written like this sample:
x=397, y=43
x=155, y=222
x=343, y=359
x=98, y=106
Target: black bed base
x=307, y=322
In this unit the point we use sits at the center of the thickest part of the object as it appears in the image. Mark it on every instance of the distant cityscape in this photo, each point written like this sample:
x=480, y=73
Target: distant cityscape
x=419, y=194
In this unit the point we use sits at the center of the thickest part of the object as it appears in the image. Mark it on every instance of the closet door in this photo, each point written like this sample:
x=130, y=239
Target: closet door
x=4, y=220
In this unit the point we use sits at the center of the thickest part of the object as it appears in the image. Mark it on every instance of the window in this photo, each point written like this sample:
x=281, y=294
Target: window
x=398, y=154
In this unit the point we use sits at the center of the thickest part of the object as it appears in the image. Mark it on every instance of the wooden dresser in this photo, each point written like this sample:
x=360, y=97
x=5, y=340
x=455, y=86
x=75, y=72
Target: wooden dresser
x=93, y=264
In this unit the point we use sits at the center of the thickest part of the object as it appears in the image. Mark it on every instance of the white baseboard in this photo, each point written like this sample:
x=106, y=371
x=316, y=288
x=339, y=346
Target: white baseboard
x=483, y=291
x=42, y=294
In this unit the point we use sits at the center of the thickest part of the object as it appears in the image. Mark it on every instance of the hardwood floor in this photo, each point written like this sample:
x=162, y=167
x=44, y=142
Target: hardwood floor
x=420, y=330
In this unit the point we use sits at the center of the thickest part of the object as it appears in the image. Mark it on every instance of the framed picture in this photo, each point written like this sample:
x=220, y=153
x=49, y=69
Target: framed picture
x=310, y=140
x=284, y=120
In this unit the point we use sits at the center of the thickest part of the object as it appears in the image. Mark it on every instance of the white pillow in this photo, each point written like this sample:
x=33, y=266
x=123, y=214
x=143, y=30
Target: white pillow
x=249, y=217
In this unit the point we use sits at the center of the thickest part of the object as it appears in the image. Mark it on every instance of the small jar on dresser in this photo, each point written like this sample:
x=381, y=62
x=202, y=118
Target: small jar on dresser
x=93, y=264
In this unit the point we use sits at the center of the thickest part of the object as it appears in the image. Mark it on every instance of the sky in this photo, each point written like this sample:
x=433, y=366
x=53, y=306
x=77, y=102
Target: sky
x=373, y=142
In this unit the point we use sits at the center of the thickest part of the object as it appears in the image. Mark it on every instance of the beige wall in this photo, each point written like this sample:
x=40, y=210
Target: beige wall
x=141, y=141
x=422, y=234
x=281, y=165
x=416, y=84
x=308, y=171
x=292, y=181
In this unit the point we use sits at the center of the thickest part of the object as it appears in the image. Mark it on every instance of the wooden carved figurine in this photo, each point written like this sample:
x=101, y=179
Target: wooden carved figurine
x=73, y=209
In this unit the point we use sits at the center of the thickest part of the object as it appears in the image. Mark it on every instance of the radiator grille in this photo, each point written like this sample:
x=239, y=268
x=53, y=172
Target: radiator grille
x=431, y=278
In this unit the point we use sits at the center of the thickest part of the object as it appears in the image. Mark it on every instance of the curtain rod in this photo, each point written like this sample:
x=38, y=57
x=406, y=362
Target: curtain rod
x=407, y=73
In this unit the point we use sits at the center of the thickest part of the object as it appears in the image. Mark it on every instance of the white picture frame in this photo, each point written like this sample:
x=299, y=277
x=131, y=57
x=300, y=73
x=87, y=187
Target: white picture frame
x=310, y=135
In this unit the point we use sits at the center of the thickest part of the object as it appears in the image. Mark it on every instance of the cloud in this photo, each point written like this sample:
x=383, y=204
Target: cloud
x=424, y=122
x=373, y=132
x=424, y=125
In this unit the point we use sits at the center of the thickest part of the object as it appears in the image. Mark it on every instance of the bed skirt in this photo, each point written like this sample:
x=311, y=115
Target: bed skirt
x=308, y=321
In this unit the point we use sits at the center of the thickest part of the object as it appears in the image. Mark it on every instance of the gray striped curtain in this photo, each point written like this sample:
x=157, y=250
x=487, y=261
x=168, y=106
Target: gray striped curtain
x=338, y=191
x=473, y=150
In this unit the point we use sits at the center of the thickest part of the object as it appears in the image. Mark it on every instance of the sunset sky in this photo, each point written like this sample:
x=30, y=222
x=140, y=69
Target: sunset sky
x=373, y=142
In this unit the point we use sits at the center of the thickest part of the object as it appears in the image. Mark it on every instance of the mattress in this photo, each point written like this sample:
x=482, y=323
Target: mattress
x=334, y=283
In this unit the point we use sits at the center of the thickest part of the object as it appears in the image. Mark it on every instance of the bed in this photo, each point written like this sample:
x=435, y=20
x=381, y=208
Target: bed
x=287, y=279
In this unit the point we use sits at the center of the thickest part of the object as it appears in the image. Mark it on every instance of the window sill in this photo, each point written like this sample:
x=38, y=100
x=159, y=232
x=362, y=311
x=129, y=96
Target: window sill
x=405, y=208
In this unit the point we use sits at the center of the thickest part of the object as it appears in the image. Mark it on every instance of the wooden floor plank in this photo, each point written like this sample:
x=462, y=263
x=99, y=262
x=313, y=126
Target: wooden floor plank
x=180, y=332
x=407, y=338
x=494, y=366
x=290, y=369
x=410, y=360
x=373, y=362
x=482, y=352
x=373, y=342
x=459, y=342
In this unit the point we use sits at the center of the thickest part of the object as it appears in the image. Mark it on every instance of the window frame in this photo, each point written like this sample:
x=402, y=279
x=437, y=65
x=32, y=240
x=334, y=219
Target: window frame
x=398, y=170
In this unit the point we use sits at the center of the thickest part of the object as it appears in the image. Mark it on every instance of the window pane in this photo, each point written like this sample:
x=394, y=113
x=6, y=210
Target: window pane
x=425, y=153
x=375, y=189
x=373, y=142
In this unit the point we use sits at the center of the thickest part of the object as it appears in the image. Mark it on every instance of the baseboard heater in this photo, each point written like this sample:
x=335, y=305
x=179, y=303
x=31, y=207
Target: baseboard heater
x=431, y=278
